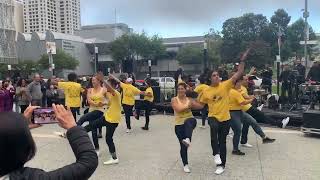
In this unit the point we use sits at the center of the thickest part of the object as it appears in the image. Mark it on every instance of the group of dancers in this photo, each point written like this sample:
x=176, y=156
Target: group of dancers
x=227, y=103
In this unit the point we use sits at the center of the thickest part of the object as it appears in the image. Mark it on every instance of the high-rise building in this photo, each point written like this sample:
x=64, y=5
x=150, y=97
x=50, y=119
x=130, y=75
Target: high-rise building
x=69, y=15
x=18, y=16
x=54, y=15
x=7, y=32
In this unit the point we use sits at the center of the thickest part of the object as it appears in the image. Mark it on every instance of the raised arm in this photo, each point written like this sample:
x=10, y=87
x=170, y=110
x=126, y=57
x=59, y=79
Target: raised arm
x=240, y=71
x=196, y=105
x=113, y=77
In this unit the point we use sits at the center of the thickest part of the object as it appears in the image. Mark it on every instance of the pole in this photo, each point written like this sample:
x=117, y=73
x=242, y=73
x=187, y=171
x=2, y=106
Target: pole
x=96, y=50
x=278, y=59
x=306, y=15
x=50, y=63
x=205, y=53
x=149, y=64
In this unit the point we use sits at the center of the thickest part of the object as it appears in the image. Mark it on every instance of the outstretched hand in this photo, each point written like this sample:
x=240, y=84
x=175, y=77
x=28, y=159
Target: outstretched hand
x=65, y=117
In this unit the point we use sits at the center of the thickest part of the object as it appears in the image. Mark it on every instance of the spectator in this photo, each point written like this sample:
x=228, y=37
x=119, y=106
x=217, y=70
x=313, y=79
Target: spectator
x=14, y=154
x=52, y=95
x=7, y=93
x=43, y=90
x=22, y=96
x=34, y=89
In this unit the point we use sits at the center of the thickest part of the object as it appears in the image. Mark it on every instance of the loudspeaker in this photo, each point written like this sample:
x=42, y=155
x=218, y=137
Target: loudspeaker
x=311, y=119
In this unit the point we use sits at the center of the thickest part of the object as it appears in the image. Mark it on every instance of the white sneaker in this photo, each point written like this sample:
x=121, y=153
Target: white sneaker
x=217, y=159
x=260, y=107
x=202, y=127
x=60, y=134
x=128, y=131
x=219, y=170
x=111, y=161
x=247, y=145
x=230, y=135
x=186, y=169
x=186, y=142
x=98, y=152
x=285, y=122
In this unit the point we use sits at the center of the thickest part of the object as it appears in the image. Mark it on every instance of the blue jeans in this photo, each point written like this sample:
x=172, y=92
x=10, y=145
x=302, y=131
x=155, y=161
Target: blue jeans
x=236, y=127
x=248, y=120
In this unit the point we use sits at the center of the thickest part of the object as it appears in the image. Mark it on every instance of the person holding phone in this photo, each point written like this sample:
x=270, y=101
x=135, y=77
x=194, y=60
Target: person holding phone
x=110, y=120
x=14, y=154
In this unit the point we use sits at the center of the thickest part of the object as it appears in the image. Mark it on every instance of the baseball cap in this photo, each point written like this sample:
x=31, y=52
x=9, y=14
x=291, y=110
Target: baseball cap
x=129, y=80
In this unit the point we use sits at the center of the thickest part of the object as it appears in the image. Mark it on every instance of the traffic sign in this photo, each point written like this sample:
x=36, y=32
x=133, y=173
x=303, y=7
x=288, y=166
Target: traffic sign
x=312, y=42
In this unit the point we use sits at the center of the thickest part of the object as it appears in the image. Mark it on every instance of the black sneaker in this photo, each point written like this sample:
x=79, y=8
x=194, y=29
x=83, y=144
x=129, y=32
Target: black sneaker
x=145, y=128
x=267, y=140
x=238, y=152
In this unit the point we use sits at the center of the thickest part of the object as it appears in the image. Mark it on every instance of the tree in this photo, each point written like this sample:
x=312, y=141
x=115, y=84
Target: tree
x=132, y=47
x=214, y=40
x=190, y=55
x=61, y=61
x=26, y=67
x=296, y=34
x=281, y=18
x=248, y=30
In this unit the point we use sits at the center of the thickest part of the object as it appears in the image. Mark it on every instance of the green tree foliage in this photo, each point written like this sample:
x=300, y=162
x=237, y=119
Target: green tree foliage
x=296, y=34
x=189, y=54
x=61, y=61
x=137, y=46
x=27, y=67
x=249, y=30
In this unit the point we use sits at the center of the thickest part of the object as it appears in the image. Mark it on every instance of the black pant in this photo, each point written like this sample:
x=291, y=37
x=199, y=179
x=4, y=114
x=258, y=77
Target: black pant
x=147, y=106
x=74, y=111
x=286, y=87
x=128, y=113
x=185, y=131
x=87, y=111
x=23, y=108
x=218, y=133
x=261, y=117
x=90, y=117
x=111, y=127
x=36, y=102
x=204, y=115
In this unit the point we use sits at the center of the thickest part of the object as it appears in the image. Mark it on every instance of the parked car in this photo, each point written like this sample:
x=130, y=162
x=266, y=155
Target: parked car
x=167, y=87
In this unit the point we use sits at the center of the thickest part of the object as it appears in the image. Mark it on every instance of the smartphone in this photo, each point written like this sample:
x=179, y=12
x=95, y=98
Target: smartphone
x=44, y=116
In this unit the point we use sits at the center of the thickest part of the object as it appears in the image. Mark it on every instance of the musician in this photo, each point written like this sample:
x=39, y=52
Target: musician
x=267, y=79
x=286, y=86
x=314, y=73
x=302, y=71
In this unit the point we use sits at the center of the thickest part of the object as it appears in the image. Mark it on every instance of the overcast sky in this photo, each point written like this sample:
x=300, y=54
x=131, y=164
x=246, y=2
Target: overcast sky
x=172, y=18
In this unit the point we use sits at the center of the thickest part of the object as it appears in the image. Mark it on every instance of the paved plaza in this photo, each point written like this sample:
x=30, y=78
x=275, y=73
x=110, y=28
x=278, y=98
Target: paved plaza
x=154, y=155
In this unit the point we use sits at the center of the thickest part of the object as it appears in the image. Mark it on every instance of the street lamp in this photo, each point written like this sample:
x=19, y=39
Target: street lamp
x=205, y=53
x=278, y=59
x=306, y=32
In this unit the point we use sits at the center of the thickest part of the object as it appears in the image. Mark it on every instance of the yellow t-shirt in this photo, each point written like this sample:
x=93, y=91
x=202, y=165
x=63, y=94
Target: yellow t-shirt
x=217, y=98
x=181, y=117
x=244, y=92
x=113, y=114
x=72, y=91
x=200, y=88
x=235, y=99
x=129, y=91
x=97, y=98
x=148, y=98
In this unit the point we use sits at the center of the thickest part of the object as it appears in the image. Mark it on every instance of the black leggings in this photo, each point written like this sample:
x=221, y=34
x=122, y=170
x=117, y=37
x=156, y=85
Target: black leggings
x=204, y=114
x=128, y=113
x=185, y=131
x=218, y=132
x=111, y=127
x=147, y=106
x=90, y=117
x=261, y=117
